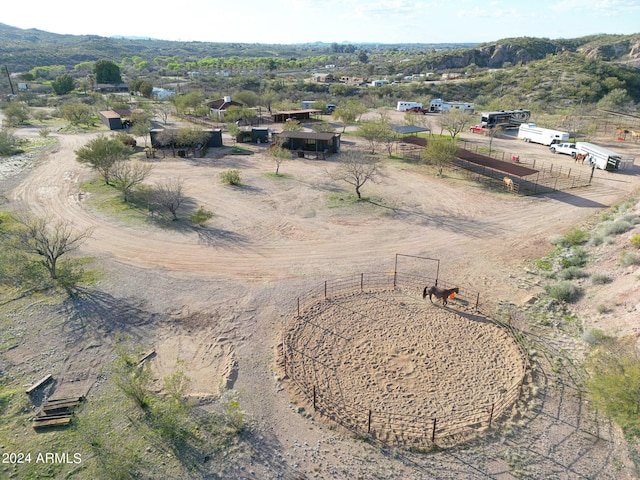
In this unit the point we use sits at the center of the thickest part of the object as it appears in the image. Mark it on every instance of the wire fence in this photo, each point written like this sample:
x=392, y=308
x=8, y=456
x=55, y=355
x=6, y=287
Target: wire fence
x=324, y=390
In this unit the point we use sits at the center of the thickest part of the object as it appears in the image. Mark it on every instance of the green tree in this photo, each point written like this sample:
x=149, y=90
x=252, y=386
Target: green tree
x=348, y=112
x=279, y=154
x=77, y=113
x=440, y=152
x=617, y=100
x=102, y=153
x=454, y=121
x=247, y=98
x=7, y=143
x=63, y=84
x=16, y=113
x=106, y=71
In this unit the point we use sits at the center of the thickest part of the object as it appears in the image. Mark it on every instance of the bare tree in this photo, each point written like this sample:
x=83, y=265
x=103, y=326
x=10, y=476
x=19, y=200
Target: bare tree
x=128, y=174
x=454, y=121
x=163, y=110
x=47, y=238
x=357, y=169
x=169, y=195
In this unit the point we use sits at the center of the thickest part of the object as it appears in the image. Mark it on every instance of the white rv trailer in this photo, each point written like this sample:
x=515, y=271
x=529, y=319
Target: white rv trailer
x=601, y=157
x=404, y=106
x=530, y=132
x=439, y=105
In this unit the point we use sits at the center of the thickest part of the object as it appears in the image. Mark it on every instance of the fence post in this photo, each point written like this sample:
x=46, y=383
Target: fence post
x=325, y=289
x=433, y=432
x=491, y=414
x=369, y=423
x=298, y=307
x=361, y=281
x=477, y=300
x=314, y=398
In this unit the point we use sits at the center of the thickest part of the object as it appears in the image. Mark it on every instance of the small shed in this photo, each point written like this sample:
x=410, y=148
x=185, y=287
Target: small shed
x=322, y=144
x=111, y=119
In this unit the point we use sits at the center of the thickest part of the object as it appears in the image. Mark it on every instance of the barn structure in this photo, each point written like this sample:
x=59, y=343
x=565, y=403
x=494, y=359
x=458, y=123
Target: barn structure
x=310, y=143
x=111, y=119
x=288, y=115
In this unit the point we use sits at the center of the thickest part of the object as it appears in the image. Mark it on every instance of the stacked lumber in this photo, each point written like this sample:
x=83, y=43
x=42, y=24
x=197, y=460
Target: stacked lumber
x=56, y=412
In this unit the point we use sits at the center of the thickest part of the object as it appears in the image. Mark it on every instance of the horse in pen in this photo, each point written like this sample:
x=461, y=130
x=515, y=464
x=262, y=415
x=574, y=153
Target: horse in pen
x=442, y=293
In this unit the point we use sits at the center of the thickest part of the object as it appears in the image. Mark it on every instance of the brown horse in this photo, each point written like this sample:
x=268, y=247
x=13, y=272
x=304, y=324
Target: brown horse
x=443, y=293
x=581, y=157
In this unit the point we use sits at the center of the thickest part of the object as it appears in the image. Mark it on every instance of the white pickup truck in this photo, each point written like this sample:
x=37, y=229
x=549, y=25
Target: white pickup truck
x=566, y=148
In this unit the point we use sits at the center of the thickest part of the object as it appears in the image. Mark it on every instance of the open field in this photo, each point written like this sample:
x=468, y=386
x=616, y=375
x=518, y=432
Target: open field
x=216, y=299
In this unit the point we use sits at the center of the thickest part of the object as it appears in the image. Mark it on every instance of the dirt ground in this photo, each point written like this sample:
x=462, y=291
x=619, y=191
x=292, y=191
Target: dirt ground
x=218, y=296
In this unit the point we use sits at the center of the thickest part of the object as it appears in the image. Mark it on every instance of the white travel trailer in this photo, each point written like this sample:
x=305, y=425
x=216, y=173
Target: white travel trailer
x=601, y=157
x=530, y=132
x=439, y=105
x=404, y=106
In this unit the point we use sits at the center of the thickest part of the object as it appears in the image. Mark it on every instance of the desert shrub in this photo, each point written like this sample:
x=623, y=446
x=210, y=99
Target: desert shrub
x=596, y=238
x=571, y=273
x=632, y=218
x=614, y=381
x=201, y=216
x=564, y=291
x=600, y=278
x=629, y=258
x=635, y=241
x=544, y=264
x=602, y=308
x=616, y=228
x=232, y=177
x=594, y=337
x=576, y=257
x=576, y=236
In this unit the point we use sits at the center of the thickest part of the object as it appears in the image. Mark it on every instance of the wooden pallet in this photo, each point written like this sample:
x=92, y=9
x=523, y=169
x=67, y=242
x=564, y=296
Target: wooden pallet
x=55, y=413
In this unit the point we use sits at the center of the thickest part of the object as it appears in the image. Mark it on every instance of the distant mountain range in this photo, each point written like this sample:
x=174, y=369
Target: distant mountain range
x=22, y=50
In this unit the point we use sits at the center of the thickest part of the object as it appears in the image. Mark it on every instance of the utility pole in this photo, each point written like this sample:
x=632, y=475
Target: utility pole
x=6, y=69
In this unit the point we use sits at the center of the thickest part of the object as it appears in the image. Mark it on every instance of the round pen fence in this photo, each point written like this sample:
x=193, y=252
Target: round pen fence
x=351, y=343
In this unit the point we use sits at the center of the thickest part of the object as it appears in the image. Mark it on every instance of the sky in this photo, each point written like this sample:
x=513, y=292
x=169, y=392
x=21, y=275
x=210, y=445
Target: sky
x=355, y=21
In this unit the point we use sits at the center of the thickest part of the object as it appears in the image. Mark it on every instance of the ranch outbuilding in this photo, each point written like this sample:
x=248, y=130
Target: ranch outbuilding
x=320, y=144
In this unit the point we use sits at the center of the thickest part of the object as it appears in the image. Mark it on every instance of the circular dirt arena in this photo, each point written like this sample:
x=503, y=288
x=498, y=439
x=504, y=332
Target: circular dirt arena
x=402, y=369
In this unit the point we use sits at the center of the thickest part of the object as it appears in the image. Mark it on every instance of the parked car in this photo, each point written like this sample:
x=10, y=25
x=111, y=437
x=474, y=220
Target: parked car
x=421, y=110
x=479, y=129
x=566, y=148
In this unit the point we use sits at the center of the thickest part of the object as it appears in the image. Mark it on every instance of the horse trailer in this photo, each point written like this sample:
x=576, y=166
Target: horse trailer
x=530, y=132
x=404, y=106
x=505, y=118
x=439, y=105
x=601, y=157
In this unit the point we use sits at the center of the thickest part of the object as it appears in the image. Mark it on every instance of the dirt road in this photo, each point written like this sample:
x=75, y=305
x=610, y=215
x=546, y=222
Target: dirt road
x=272, y=238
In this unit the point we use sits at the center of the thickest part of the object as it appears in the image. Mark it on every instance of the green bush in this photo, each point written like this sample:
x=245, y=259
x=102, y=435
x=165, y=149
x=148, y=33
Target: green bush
x=576, y=257
x=571, y=273
x=576, y=236
x=614, y=381
x=600, y=278
x=564, y=291
x=629, y=258
x=232, y=177
x=201, y=217
x=594, y=337
x=635, y=241
x=616, y=228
